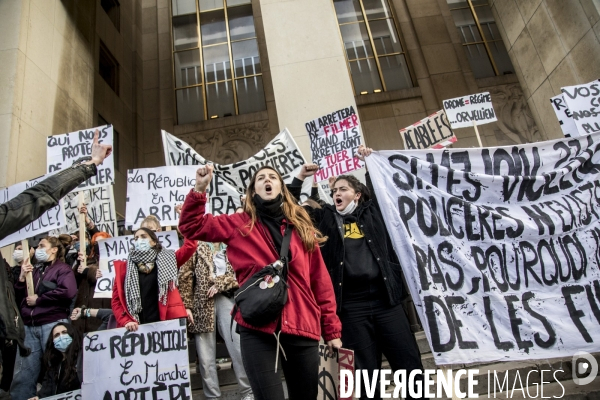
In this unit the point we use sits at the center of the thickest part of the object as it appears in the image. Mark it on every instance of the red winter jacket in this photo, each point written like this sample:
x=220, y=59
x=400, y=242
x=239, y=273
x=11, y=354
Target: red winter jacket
x=310, y=310
x=172, y=310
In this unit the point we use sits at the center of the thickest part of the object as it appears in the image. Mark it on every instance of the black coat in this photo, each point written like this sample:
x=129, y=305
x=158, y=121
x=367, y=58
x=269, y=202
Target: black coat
x=52, y=385
x=370, y=221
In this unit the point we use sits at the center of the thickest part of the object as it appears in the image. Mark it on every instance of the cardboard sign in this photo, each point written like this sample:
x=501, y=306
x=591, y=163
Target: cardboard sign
x=329, y=372
x=334, y=141
x=499, y=246
x=584, y=103
x=149, y=363
x=474, y=108
x=50, y=220
x=117, y=249
x=63, y=150
x=281, y=153
x=565, y=118
x=156, y=191
x=432, y=132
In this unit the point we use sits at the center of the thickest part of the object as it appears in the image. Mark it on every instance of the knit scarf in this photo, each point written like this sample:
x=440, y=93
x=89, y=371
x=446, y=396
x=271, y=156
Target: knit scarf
x=166, y=265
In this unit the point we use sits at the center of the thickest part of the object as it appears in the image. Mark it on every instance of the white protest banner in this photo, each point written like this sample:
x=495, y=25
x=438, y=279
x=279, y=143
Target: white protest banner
x=117, y=248
x=432, y=132
x=74, y=395
x=500, y=246
x=156, y=191
x=149, y=363
x=565, y=118
x=334, y=140
x=63, y=149
x=469, y=110
x=281, y=153
x=52, y=219
x=329, y=372
x=584, y=103
x=100, y=205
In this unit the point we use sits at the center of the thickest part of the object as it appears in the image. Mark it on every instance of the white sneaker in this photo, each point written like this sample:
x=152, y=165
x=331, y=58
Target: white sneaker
x=249, y=396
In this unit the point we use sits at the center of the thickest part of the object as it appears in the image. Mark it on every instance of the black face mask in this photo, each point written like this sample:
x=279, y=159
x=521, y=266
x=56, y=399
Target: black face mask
x=269, y=208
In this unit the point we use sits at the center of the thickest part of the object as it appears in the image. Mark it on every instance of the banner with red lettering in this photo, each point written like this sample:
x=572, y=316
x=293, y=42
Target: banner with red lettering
x=334, y=140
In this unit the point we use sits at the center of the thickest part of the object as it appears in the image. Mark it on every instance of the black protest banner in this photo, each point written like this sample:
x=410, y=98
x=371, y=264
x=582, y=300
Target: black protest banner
x=281, y=153
x=500, y=246
x=584, y=103
x=63, y=150
x=432, y=132
x=149, y=363
x=334, y=140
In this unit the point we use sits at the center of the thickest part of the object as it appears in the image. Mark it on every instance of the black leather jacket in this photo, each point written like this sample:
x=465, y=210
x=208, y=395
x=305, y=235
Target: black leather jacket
x=16, y=214
x=33, y=202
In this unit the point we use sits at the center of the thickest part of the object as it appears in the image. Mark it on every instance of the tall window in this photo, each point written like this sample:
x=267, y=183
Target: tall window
x=216, y=61
x=480, y=37
x=113, y=10
x=375, y=56
x=108, y=68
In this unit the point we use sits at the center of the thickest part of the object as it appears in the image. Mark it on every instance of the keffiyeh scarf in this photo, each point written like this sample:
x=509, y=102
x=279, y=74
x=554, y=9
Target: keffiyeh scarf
x=167, y=277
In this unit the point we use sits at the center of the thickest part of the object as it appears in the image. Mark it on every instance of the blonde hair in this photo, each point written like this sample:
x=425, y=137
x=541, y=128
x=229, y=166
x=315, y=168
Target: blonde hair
x=294, y=214
x=151, y=219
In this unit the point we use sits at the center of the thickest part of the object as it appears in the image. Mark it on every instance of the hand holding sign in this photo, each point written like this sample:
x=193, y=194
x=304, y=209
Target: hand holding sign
x=203, y=177
x=363, y=152
x=99, y=151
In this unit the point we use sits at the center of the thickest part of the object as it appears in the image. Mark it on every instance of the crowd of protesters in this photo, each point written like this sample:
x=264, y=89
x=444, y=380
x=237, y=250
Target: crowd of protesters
x=343, y=278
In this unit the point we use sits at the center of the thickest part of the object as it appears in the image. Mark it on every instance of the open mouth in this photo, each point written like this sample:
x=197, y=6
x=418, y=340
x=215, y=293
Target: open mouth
x=338, y=201
x=268, y=188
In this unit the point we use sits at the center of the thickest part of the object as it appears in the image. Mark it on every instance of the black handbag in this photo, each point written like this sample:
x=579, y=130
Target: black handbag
x=262, y=297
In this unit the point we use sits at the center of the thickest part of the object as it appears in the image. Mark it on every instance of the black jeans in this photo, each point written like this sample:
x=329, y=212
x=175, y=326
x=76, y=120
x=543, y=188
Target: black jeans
x=300, y=369
x=372, y=328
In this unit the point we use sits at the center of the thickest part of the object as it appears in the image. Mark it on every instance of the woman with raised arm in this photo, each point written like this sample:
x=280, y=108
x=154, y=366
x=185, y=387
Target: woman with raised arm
x=255, y=239
x=366, y=276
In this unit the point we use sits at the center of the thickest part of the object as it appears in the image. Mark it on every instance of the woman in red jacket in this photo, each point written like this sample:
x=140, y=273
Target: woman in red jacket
x=145, y=288
x=254, y=239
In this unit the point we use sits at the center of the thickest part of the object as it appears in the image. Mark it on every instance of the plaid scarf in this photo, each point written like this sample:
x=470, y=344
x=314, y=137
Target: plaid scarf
x=167, y=277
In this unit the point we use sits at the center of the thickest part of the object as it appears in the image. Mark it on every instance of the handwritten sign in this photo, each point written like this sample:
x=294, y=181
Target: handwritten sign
x=63, y=149
x=149, y=363
x=74, y=395
x=432, y=132
x=334, y=141
x=50, y=220
x=329, y=373
x=474, y=108
x=565, y=118
x=100, y=205
x=117, y=248
x=156, y=191
x=584, y=103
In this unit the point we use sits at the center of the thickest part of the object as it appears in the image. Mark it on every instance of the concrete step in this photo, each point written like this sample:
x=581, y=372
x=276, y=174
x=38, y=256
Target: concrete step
x=225, y=373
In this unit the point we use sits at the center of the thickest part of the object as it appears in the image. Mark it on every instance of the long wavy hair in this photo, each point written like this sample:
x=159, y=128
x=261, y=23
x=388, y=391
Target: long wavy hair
x=52, y=357
x=294, y=213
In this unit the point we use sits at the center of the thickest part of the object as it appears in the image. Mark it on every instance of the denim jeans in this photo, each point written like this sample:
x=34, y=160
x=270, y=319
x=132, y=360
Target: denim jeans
x=27, y=369
x=206, y=346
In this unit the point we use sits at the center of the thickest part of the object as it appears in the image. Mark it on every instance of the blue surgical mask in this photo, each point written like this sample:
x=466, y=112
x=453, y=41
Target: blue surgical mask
x=41, y=255
x=142, y=244
x=77, y=246
x=63, y=342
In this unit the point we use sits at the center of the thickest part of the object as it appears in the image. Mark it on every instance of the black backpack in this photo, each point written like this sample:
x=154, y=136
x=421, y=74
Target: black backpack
x=262, y=297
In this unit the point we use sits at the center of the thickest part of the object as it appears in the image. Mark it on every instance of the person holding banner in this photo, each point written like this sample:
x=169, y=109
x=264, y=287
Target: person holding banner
x=145, y=288
x=63, y=360
x=366, y=275
x=254, y=239
x=33, y=202
x=55, y=288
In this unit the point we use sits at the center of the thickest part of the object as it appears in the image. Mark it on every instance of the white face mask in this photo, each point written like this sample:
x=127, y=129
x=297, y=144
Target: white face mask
x=41, y=255
x=349, y=208
x=18, y=256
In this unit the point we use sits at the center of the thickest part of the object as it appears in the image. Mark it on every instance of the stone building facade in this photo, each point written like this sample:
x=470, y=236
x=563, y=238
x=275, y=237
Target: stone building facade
x=227, y=75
